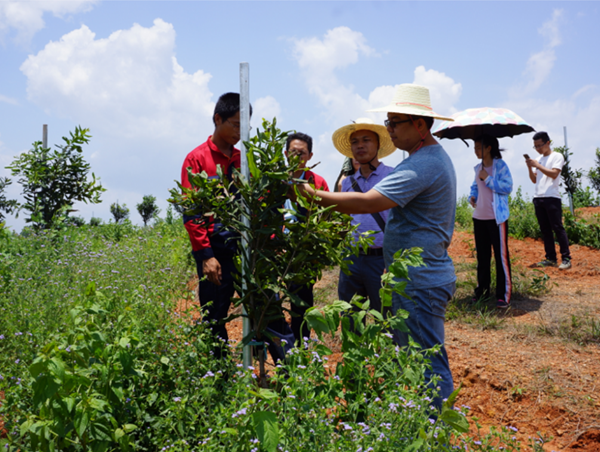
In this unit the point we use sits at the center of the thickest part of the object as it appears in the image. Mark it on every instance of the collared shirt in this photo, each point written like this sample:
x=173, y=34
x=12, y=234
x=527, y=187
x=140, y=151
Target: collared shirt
x=207, y=157
x=366, y=222
x=424, y=188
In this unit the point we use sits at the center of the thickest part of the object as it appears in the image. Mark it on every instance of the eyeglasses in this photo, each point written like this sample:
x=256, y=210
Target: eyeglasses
x=539, y=146
x=392, y=124
x=236, y=126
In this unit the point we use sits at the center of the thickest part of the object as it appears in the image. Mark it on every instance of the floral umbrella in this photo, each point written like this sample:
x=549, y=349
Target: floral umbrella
x=473, y=122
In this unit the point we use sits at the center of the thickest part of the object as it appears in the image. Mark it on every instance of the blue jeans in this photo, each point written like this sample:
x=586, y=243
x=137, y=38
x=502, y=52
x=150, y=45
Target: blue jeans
x=427, y=312
x=364, y=280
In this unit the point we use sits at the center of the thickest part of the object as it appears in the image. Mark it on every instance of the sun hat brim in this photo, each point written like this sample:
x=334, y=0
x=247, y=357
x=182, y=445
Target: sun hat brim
x=411, y=99
x=341, y=138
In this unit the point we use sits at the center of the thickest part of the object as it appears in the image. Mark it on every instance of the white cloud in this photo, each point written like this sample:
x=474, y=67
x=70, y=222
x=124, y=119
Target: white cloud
x=319, y=61
x=26, y=17
x=443, y=90
x=144, y=111
x=540, y=64
x=339, y=48
x=320, y=58
x=265, y=107
x=128, y=84
x=8, y=100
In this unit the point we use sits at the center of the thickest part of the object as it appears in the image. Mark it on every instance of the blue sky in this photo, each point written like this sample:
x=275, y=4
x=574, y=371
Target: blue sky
x=144, y=76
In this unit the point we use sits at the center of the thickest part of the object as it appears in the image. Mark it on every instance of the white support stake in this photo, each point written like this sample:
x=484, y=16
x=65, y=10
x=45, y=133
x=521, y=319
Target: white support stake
x=45, y=136
x=245, y=135
x=571, y=207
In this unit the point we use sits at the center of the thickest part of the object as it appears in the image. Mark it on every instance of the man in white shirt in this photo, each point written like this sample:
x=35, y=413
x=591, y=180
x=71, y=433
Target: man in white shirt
x=544, y=172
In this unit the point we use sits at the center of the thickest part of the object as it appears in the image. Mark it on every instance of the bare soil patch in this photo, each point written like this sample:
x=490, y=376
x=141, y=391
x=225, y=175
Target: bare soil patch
x=543, y=384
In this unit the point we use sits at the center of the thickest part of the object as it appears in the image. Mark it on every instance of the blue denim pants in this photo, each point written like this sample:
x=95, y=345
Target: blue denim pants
x=427, y=312
x=364, y=280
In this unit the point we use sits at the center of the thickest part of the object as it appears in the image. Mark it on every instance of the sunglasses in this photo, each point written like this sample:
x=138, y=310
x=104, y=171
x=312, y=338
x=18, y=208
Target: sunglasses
x=392, y=124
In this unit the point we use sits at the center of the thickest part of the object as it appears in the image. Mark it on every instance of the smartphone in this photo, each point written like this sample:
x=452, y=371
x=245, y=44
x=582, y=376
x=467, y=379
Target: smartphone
x=526, y=156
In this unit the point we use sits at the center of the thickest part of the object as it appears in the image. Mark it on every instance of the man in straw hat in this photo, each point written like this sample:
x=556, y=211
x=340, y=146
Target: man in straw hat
x=365, y=142
x=421, y=193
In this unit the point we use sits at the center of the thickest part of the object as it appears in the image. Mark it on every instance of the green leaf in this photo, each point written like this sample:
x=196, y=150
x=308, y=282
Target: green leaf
x=415, y=445
x=129, y=428
x=118, y=392
x=165, y=360
x=57, y=368
x=70, y=403
x=455, y=420
x=267, y=429
x=267, y=394
x=81, y=421
x=451, y=417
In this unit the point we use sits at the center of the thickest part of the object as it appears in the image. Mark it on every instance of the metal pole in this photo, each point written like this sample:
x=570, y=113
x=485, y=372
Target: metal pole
x=567, y=150
x=45, y=136
x=245, y=134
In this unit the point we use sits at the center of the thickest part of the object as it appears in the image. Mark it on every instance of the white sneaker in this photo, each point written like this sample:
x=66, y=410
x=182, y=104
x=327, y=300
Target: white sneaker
x=565, y=265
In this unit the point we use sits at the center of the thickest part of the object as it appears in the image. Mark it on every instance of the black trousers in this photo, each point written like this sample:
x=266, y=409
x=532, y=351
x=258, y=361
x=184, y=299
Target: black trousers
x=488, y=236
x=216, y=300
x=549, y=215
x=305, y=293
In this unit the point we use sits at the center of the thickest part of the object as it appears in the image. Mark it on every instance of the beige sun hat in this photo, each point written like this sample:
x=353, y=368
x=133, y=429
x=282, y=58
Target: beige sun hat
x=341, y=137
x=411, y=99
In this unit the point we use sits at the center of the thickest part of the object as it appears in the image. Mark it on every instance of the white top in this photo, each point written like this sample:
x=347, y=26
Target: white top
x=546, y=187
x=484, y=209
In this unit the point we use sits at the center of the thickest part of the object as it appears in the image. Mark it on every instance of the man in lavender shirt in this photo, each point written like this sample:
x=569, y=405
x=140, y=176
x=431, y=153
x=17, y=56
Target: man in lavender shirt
x=365, y=142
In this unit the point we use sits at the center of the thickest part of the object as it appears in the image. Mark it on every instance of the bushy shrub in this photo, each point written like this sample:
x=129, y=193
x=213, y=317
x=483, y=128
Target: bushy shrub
x=95, y=221
x=522, y=222
x=464, y=213
x=120, y=212
x=148, y=208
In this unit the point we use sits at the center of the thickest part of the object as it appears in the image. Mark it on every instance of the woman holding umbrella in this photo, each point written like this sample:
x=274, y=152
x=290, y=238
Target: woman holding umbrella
x=489, y=197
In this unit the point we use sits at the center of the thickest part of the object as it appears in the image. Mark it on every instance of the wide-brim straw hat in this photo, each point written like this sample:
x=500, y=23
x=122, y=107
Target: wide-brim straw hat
x=411, y=99
x=341, y=137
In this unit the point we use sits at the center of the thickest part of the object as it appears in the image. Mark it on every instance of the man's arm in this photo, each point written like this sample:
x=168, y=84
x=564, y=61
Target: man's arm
x=552, y=173
x=351, y=202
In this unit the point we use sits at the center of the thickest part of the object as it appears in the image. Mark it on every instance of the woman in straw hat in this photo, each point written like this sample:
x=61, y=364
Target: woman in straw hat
x=365, y=142
x=421, y=193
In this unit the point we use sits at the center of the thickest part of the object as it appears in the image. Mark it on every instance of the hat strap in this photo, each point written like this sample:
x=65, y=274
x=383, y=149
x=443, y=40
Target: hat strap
x=371, y=167
x=422, y=137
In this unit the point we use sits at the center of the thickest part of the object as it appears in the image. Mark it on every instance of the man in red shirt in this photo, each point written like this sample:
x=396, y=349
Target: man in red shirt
x=214, y=247
x=300, y=144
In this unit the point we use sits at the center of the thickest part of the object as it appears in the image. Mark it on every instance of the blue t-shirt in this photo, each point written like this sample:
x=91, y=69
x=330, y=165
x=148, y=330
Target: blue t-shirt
x=424, y=187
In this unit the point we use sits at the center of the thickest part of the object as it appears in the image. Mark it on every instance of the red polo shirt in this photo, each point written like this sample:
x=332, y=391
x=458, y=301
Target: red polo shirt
x=205, y=157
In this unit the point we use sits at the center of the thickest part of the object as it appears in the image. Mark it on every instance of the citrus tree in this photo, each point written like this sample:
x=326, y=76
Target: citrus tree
x=53, y=180
x=277, y=251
